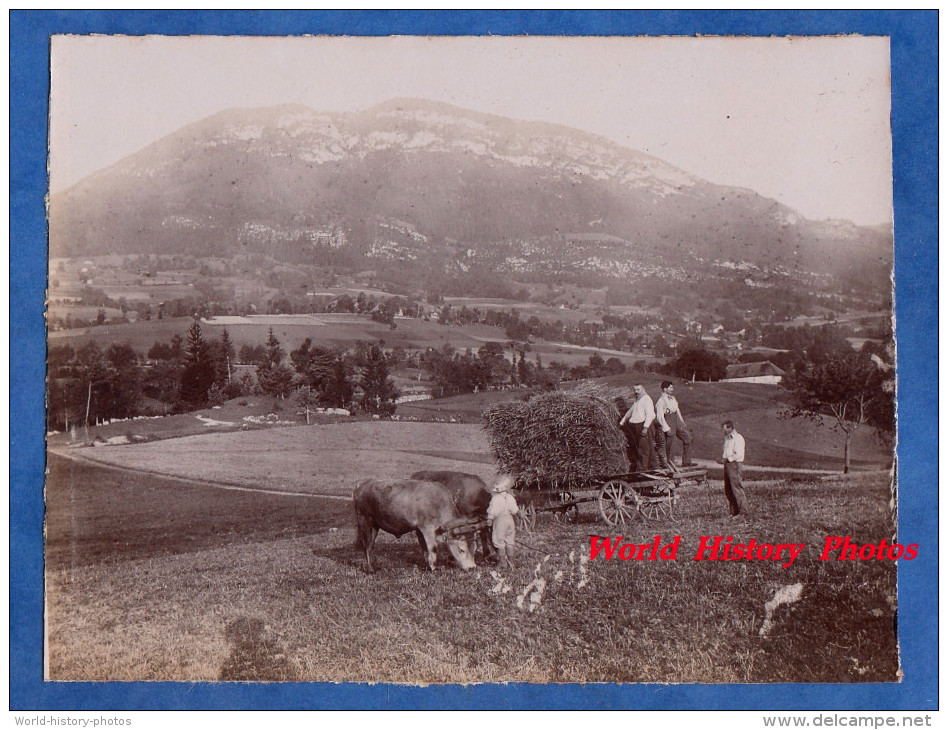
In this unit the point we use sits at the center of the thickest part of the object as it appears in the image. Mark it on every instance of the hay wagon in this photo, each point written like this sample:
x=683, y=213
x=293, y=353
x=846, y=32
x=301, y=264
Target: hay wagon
x=555, y=442
x=650, y=495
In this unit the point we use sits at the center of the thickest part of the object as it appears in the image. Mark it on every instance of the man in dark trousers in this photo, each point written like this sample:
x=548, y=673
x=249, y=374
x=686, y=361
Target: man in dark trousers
x=671, y=424
x=732, y=457
x=640, y=417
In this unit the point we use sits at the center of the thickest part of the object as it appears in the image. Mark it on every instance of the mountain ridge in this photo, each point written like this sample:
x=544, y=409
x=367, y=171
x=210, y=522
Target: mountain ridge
x=424, y=181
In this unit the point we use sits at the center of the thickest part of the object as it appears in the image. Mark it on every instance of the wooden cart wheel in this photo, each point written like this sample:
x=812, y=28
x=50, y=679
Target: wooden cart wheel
x=569, y=512
x=528, y=516
x=656, y=508
x=617, y=503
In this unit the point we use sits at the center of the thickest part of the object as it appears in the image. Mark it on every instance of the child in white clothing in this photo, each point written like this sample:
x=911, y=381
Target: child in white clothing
x=500, y=515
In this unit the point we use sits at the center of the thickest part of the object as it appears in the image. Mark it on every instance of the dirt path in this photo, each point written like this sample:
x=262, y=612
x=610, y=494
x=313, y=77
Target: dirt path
x=708, y=464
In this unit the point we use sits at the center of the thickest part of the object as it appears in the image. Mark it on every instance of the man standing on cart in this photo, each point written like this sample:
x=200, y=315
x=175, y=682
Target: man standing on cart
x=641, y=419
x=671, y=424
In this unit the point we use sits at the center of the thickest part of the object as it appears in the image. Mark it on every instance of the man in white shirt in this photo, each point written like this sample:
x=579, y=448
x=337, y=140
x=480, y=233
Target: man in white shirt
x=671, y=424
x=732, y=457
x=640, y=418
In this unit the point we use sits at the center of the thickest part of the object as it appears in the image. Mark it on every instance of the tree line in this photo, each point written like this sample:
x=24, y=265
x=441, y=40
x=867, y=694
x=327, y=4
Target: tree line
x=826, y=377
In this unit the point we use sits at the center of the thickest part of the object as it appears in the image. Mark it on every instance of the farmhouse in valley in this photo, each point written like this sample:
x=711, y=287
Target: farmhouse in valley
x=754, y=372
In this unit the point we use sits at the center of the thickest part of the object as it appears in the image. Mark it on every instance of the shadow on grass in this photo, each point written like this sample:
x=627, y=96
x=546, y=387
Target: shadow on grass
x=255, y=656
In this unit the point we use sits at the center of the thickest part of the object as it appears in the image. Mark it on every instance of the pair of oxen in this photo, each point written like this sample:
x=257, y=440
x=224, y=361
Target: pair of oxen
x=436, y=505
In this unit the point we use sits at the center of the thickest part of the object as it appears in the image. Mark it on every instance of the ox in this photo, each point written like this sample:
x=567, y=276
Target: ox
x=469, y=493
x=405, y=505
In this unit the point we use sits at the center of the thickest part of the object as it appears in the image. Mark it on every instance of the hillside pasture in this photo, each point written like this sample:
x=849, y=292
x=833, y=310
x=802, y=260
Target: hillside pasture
x=758, y=414
x=465, y=408
x=772, y=440
x=242, y=413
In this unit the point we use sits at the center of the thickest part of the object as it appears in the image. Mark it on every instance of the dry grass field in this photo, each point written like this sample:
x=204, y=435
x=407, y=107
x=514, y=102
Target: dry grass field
x=327, y=459
x=158, y=577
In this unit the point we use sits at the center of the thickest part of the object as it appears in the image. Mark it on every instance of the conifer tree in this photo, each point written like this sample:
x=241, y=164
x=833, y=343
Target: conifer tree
x=378, y=389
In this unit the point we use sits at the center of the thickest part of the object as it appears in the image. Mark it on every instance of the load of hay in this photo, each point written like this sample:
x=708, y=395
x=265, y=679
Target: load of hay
x=559, y=438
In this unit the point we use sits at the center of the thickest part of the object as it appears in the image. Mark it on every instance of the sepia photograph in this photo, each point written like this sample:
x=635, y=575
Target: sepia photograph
x=604, y=323
x=460, y=360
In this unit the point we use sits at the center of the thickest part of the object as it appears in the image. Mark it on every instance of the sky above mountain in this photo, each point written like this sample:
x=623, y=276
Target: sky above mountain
x=804, y=120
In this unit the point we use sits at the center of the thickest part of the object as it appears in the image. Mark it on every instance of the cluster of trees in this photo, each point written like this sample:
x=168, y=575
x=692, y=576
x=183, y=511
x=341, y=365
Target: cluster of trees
x=92, y=384
x=192, y=372
x=826, y=378
x=317, y=376
x=695, y=362
x=468, y=371
x=489, y=367
x=806, y=346
x=207, y=364
x=850, y=390
x=814, y=344
x=586, y=334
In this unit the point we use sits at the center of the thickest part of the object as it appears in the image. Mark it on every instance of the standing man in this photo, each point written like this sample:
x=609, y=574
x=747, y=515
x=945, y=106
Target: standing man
x=732, y=458
x=640, y=417
x=672, y=424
